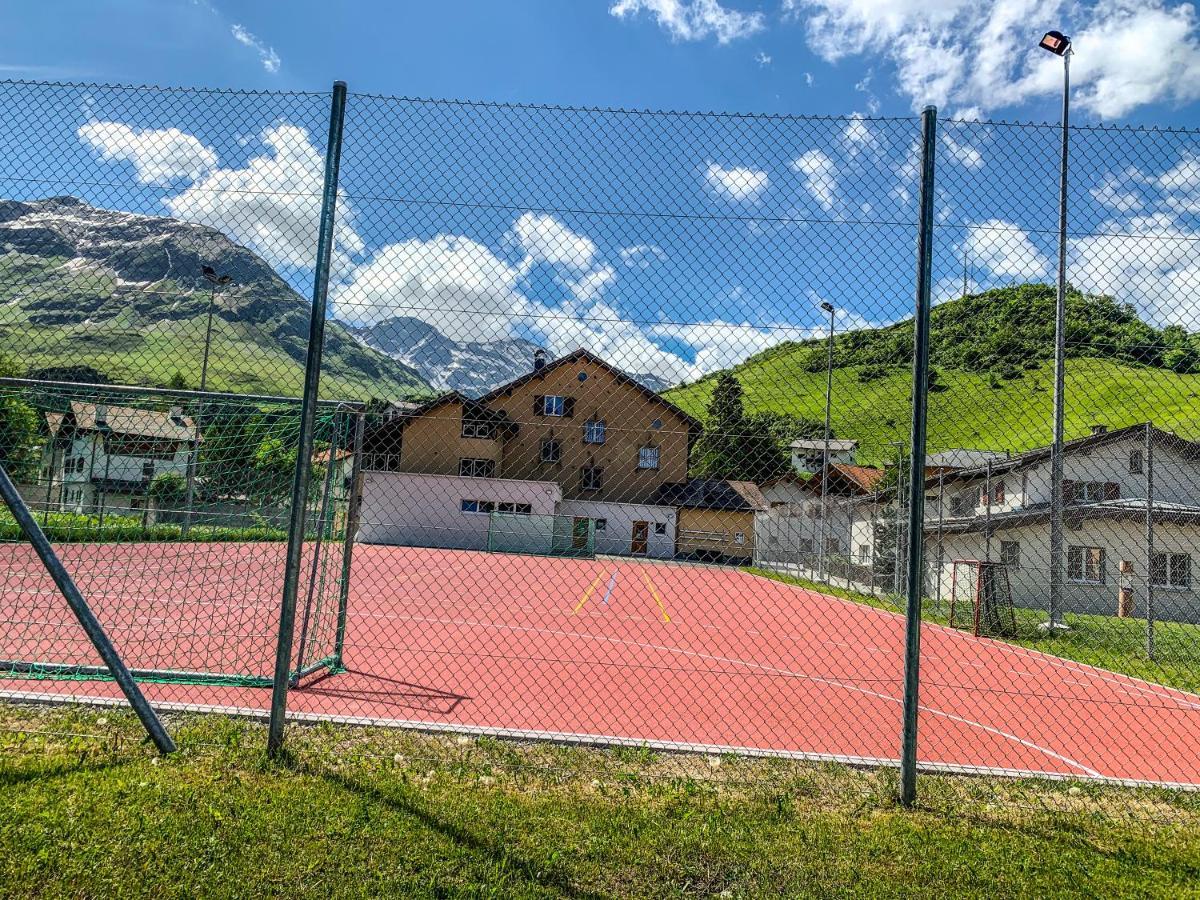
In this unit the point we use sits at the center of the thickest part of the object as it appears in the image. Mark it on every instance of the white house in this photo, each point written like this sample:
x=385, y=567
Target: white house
x=808, y=455
x=1131, y=494
x=106, y=457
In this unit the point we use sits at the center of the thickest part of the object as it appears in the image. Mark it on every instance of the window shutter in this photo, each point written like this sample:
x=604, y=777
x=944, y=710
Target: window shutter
x=539, y=405
x=568, y=407
x=1112, y=490
x=1068, y=491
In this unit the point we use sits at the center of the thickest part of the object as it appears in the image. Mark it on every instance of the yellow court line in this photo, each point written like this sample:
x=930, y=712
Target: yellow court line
x=657, y=599
x=588, y=593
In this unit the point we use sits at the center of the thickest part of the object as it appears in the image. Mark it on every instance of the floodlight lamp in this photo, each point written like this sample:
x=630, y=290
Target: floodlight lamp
x=1056, y=42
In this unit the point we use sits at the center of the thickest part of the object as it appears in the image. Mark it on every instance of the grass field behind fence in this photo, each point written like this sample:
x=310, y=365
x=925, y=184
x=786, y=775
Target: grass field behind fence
x=1107, y=642
x=86, y=810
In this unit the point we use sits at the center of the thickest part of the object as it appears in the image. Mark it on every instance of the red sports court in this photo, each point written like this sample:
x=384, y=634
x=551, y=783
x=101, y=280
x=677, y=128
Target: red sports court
x=669, y=654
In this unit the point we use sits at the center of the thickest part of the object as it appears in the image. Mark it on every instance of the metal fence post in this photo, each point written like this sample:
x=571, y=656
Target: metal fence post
x=1148, y=462
x=91, y=625
x=352, y=513
x=916, y=503
x=308, y=409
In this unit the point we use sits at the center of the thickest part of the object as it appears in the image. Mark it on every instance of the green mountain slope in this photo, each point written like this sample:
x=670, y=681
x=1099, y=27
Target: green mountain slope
x=125, y=295
x=994, y=382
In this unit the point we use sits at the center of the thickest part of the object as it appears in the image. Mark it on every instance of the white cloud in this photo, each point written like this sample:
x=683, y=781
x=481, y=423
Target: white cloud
x=962, y=152
x=1005, y=250
x=808, y=79
x=693, y=20
x=266, y=55
x=1129, y=52
x=642, y=256
x=544, y=239
x=738, y=183
x=1119, y=191
x=1151, y=261
x=592, y=284
x=820, y=177
x=453, y=283
x=763, y=59
x=719, y=344
x=158, y=156
x=273, y=203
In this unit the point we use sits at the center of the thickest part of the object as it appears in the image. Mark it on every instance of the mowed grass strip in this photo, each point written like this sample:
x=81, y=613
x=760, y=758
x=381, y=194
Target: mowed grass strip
x=86, y=810
x=1107, y=642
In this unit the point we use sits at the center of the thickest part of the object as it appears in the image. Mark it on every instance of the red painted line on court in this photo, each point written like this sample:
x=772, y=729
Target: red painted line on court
x=503, y=642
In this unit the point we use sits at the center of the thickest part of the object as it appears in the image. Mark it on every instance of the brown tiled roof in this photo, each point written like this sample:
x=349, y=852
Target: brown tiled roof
x=865, y=478
x=150, y=423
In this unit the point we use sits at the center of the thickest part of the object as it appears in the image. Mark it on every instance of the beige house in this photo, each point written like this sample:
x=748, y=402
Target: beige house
x=606, y=443
x=716, y=519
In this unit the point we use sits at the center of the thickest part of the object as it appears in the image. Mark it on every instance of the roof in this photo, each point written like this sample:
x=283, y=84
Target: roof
x=961, y=458
x=321, y=457
x=835, y=446
x=861, y=478
x=1130, y=508
x=400, y=418
x=712, y=493
x=151, y=423
x=1084, y=444
x=574, y=357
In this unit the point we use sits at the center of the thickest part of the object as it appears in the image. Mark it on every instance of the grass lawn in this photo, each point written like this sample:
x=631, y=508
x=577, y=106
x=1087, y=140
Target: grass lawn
x=86, y=810
x=1118, y=645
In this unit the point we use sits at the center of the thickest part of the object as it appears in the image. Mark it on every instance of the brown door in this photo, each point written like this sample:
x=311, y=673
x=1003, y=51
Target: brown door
x=639, y=545
x=579, y=533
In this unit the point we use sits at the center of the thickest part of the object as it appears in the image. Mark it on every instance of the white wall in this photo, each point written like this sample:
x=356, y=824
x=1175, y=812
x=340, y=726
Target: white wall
x=425, y=510
x=618, y=531
x=1120, y=539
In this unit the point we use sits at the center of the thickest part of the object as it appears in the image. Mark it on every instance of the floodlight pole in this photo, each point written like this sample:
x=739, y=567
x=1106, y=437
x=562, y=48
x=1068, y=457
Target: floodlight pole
x=1060, y=343
x=822, y=549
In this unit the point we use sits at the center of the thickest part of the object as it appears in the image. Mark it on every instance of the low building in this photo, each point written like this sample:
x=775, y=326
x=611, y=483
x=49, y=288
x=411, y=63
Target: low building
x=101, y=457
x=808, y=454
x=715, y=520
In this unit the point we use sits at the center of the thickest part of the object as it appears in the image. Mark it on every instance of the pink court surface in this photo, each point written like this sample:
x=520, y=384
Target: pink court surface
x=671, y=655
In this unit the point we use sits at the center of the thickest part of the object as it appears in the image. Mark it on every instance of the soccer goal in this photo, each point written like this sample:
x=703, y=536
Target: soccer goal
x=981, y=598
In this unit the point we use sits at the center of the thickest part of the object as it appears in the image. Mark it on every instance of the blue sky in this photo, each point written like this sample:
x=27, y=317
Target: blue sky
x=671, y=243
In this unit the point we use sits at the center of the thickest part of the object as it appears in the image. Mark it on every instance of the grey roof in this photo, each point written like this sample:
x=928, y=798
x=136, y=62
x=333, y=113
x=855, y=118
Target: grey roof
x=963, y=458
x=150, y=423
x=1128, y=508
x=835, y=445
x=712, y=493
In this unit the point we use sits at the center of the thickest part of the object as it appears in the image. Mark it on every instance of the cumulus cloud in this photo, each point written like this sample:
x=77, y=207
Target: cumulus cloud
x=159, y=156
x=544, y=239
x=272, y=203
x=457, y=285
x=693, y=20
x=740, y=184
x=642, y=256
x=1005, y=250
x=820, y=177
x=719, y=344
x=980, y=55
x=266, y=54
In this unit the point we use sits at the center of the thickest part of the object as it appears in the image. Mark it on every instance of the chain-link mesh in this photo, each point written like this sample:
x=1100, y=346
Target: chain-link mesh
x=627, y=452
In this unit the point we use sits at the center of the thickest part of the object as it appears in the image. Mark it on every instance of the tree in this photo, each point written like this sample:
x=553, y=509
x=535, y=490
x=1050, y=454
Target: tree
x=168, y=488
x=743, y=447
x=19, y=441
x=177, y=382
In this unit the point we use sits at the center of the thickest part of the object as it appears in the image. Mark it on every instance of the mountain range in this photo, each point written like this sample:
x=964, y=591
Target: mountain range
x=119, y=296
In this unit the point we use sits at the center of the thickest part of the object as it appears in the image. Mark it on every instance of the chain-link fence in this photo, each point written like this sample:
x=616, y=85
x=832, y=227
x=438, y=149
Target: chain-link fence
x=614, y=440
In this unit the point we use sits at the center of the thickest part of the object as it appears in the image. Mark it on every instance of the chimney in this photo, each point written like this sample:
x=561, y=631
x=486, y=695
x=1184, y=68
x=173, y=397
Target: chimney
x=101, y=415
x=1099, y=429
x=539, y=359
x=177, y=413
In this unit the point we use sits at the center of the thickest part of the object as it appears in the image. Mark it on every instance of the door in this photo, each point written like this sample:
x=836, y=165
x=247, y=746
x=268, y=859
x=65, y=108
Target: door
x=579, y=533
x=639, y=544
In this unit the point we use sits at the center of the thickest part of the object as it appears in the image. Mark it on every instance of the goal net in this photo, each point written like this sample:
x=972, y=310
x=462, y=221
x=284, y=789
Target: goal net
x=981, y=598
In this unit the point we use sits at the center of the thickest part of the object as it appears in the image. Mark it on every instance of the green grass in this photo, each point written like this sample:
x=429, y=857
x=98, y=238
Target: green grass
x=1104, y=641
x=1015, y=415
x=81, y=528
x=87, y=811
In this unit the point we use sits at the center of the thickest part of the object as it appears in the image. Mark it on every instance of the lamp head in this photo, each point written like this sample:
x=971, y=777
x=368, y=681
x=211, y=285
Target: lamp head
x=1056, y=42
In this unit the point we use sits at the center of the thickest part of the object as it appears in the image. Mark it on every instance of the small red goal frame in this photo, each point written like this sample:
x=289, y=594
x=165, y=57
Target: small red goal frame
x=985, y=586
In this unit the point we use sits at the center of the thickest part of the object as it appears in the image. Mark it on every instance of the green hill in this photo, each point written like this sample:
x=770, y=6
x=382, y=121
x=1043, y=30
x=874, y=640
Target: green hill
x=994, y=382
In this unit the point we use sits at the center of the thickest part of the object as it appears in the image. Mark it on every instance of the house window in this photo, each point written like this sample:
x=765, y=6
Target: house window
x=554, y=405
x=1172, y=570
x=601, y=525
x=477, y=468
x=647, y=457
x=591, y=478
x=806, y=545
x=514, y=509
x=1085, y=565
x=478, y=506
x=1137, y=462
x=594, y=431
x=660, y=527
x=147, y=470
x=551, y=451
x=998, y=492
x=739, y=537
x=477, y=428
x=1010, y=554
x=1091, y=491
x=864, y=553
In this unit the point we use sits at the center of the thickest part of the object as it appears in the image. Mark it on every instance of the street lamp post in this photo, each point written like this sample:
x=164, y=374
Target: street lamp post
x=1060, y=45
x=823, y=549
x=211, y=276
